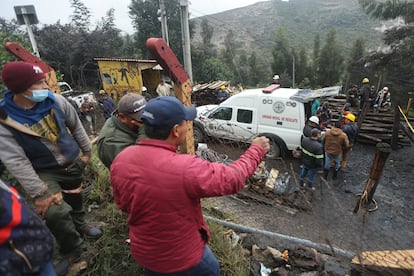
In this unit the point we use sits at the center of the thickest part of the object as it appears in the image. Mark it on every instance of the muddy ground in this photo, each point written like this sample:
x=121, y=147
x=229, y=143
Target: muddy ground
x=331, y=219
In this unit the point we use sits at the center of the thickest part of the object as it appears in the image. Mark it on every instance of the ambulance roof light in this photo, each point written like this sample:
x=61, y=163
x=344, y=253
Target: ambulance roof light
x=270, y=88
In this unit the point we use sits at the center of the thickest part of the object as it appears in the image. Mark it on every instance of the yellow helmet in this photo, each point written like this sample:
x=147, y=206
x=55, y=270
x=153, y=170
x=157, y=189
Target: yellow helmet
x=365, y=80
x=222, y=87
x=101, y=92
x=350, y=117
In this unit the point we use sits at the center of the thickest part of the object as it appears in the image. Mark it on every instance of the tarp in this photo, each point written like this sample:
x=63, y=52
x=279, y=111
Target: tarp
x=307, y=95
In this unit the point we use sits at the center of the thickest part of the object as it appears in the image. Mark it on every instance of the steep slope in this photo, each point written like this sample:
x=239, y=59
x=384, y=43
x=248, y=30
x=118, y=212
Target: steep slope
x=255, y=26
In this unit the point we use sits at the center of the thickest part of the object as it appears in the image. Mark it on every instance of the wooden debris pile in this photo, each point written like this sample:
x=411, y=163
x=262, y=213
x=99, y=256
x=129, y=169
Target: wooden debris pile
x=376, y=128
x=278, y=190
x=206, y=93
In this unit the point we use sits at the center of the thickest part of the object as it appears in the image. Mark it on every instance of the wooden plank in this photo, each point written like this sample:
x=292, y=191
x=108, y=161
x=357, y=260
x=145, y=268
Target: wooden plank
x=400, y=259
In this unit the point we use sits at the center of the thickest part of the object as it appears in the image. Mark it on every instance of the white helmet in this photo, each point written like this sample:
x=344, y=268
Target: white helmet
x=314, y=119
x=276, y=77
x=143, y=89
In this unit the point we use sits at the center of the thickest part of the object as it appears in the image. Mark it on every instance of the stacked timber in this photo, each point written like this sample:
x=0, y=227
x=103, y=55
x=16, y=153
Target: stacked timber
x=206, y=93
x=377, y=127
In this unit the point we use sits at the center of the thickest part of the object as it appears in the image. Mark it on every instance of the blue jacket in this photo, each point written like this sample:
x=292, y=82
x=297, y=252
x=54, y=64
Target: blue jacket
x=62, y=138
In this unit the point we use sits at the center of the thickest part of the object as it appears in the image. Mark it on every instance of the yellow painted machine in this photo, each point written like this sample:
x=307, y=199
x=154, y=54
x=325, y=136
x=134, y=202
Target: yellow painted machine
x=121, y=76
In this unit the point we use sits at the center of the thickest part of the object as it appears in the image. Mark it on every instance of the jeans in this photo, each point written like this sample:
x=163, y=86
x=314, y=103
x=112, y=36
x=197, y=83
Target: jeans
x=47, y=270
x=308, y=173
x=208, y=266
x=329, y=157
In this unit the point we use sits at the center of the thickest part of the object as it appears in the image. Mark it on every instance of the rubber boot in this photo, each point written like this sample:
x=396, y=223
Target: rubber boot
x=325, y=174
x=335, y=174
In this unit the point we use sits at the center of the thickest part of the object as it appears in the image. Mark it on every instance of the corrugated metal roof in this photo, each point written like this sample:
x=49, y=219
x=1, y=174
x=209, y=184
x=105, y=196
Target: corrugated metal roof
x=128, y=60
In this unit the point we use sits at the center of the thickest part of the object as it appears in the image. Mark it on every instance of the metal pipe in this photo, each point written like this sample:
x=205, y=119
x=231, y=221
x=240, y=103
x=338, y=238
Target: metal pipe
x=321, y=247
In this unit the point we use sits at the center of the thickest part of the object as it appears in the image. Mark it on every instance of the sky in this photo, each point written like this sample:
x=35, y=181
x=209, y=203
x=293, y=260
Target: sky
x=50, y=11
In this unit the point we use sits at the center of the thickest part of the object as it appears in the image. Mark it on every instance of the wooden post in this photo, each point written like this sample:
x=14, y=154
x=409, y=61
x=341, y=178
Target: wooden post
x=381, y=156
x=183, y=93
x=395, y=128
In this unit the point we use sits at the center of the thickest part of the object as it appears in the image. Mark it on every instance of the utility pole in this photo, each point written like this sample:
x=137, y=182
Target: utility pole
x=164, y=26
x=26, y=15
x=293, y=72
x=186, y=39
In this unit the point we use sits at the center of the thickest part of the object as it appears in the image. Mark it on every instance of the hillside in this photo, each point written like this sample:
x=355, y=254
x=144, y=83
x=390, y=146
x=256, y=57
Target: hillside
x=255, y=26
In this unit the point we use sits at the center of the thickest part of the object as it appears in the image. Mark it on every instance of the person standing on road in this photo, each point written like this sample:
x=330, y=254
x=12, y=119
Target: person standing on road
x=351, y=130
x=107, y=105
x=222, y=94
x=364, y=93
x=45, y=147
x=335, y=143
x=88, y=109
x=312, y=158
x=124, y=128
x=161, y=190
x=163, y=88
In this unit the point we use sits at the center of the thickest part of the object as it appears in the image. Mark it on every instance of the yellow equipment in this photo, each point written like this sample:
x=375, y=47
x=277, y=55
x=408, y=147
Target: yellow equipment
x=121, y=76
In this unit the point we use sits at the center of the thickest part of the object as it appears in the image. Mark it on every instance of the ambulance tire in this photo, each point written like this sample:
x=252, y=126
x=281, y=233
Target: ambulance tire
x=277, y=146
x=199, y=134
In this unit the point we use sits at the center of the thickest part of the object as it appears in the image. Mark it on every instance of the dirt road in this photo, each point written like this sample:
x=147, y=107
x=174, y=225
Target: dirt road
x=331, y=219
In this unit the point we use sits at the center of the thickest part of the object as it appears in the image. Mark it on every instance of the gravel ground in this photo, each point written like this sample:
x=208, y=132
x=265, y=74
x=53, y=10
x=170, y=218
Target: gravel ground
x=331, y=219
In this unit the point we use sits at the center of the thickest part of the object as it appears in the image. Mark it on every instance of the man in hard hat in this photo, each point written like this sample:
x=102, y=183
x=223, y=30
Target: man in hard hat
x=351, y=130
x=312, y=123
x=222, y=94
x=312, y=158
x=276, y=80
x=335, y=141
x=364, y=92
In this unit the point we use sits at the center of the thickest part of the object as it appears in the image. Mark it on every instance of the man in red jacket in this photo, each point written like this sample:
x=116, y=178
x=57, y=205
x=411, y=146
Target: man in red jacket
x=161, y=190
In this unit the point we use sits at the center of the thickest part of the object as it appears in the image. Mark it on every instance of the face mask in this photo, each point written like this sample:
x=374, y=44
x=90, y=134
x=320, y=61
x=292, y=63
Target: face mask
x=38, y=95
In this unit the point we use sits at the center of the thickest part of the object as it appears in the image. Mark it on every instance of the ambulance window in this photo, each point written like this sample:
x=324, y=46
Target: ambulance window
x=244, y=116
x=223, y=113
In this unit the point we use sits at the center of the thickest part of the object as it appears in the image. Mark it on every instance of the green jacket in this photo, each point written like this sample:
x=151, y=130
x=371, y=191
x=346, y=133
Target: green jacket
x=114, y=137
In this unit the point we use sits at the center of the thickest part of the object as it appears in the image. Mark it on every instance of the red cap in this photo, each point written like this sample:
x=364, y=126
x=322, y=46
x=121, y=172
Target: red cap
x=18, y=76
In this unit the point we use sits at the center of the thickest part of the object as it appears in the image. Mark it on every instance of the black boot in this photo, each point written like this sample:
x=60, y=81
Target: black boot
x=325, y=174
x=335, y=174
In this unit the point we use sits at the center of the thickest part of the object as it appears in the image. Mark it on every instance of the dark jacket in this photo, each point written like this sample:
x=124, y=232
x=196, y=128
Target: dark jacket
x=108, y=107
x=312, y=153
x=26, y=244
x=351, y=130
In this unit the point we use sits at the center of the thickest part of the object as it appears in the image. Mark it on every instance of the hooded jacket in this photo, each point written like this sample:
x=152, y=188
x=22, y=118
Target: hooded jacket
x=335, y=141
x=63, y=136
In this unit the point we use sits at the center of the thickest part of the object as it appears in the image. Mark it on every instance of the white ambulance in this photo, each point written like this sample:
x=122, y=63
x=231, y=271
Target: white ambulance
x=277, y=113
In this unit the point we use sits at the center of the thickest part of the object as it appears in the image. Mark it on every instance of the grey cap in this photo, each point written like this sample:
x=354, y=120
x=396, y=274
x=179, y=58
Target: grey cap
x=132, y=105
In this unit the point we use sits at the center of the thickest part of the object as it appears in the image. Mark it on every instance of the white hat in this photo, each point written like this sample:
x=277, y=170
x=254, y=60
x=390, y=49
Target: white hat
x=276, y=77
x=314, y=119
x=143, y=89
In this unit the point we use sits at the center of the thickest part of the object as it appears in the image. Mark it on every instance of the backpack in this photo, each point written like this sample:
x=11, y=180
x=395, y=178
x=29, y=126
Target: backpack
x=26, y=244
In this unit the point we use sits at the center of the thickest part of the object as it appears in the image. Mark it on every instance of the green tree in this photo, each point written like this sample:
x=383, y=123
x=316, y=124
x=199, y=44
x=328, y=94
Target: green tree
x=81, y=17
x=282, y=55
x=355, y=68
x=214, y=69
x=396, y=60
x=315, y=60
x=144, y=15
x=254, y=70
x=330, y=61
x=302, y=69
